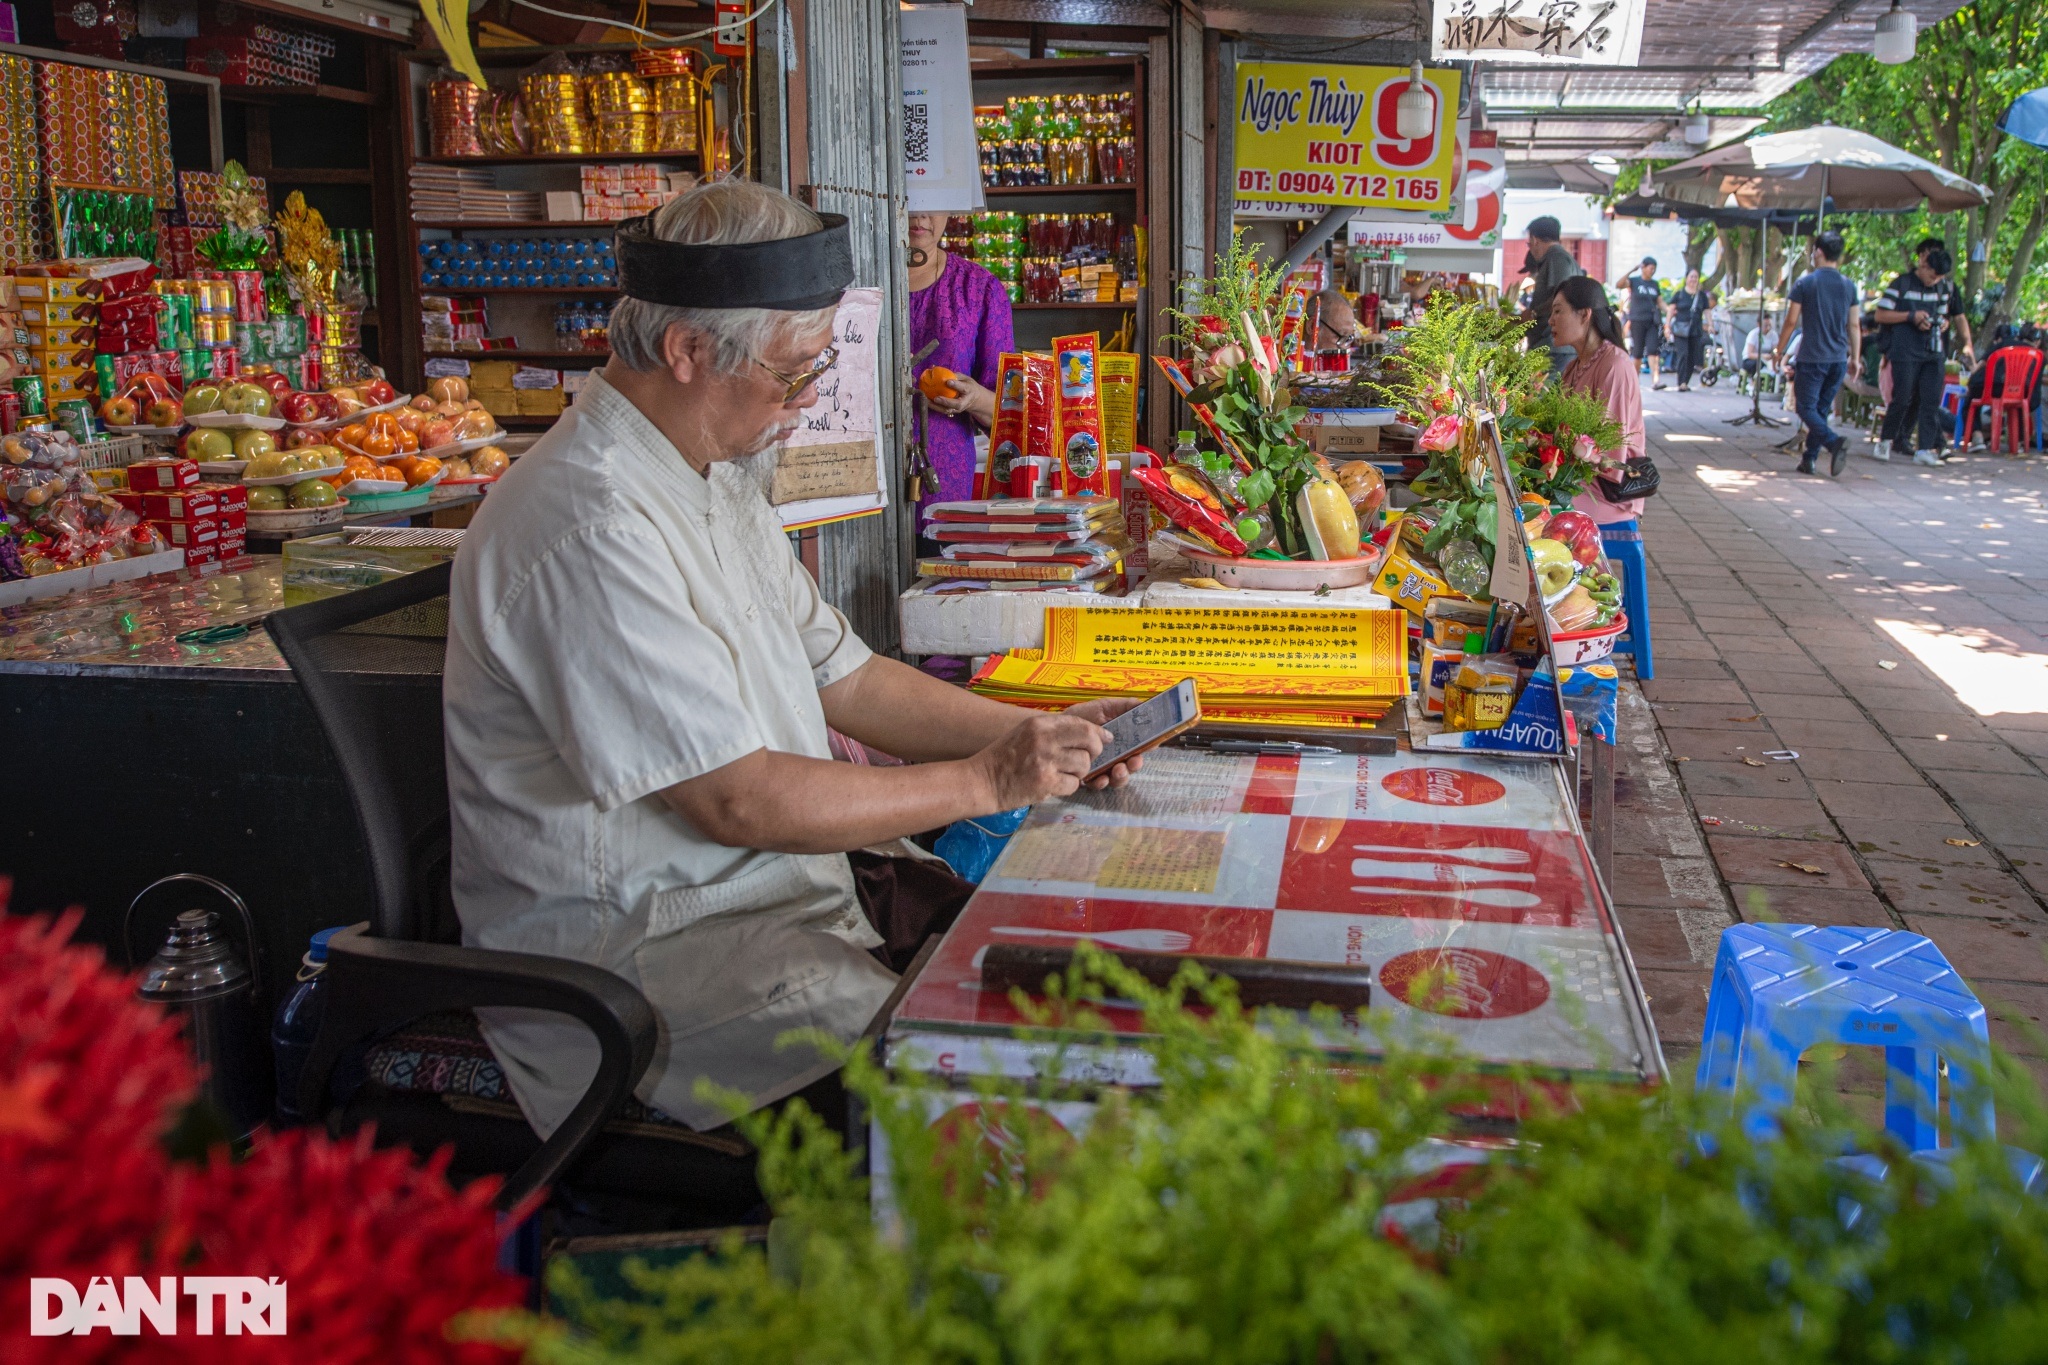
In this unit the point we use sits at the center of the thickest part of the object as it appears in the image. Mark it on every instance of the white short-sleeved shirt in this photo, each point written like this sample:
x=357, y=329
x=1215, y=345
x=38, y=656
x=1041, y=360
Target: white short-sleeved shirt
x=618, y=624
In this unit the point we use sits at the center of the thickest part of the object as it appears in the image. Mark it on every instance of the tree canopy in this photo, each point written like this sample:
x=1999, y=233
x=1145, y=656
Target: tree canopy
x=1944, y=105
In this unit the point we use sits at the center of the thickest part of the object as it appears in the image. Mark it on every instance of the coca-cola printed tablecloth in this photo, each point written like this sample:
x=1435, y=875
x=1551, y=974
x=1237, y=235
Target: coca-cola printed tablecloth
x=1462, y=881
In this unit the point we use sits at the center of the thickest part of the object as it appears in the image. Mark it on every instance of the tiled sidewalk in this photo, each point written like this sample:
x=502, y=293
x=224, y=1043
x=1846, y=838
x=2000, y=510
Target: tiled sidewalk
x=1891, y=627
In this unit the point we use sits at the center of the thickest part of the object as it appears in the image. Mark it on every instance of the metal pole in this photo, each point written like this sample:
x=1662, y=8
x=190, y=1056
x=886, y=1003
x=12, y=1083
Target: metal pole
x=1312, y=241
x=1755, y=415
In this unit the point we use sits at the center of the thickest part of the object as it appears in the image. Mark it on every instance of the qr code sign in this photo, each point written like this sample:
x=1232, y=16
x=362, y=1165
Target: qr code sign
x=917, y=136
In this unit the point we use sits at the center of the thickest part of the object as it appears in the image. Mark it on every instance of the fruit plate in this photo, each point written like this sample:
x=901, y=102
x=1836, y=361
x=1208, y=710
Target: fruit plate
x=137, y=429
x=325, y=423
x=400, y=501
x=1285, y=575
x=463, y=447
x=222, y=469
x=236, y=421
x=371, y=488
x=393, y=406
x=299, y=477
x=296, y=518
x=1572, y=648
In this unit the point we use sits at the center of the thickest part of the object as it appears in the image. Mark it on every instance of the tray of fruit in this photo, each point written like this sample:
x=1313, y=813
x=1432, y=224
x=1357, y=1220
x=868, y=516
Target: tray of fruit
x=462, y=447
x=213, y=448
x=310, y=502
x=147, y=407
x=236, y=421
x=289, y=476
x=362, y=488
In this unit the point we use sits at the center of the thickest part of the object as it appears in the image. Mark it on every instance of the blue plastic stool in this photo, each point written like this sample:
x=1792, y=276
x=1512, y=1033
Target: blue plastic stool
x=1780, y=989
x=1623, y=542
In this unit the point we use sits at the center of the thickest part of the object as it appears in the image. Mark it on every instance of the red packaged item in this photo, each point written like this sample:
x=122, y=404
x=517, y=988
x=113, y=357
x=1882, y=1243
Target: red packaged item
x=162, y=476
x=118, y=279
x=1191, y=506
x=1034, y=471
x=234, y=540
x=1006, y=438
x=187, y=504
x=227, y=363
x=232, y=521
x=128, y=311
x=1077, y=425
x=233, y=497
x=187, y=535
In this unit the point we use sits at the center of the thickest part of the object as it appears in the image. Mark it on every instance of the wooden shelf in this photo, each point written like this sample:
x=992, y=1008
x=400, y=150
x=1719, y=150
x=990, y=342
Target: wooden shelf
x=1050, y=307
x=993, y=190
x=451, y=225
x=525, y=55
x=561, y=159
x=271, y=94
x=1042, y=66
x=316, y=175
x=564, y=290
x=595, y=356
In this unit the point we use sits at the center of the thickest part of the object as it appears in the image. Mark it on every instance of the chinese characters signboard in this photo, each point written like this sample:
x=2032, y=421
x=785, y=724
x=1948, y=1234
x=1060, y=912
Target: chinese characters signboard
x=1317, y=134
x=1575, y=32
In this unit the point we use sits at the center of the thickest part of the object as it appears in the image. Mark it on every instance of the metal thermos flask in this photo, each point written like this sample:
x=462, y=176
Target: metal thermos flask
x=198, y=974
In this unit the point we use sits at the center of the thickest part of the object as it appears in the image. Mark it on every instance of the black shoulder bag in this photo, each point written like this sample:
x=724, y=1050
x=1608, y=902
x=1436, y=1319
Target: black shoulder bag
x=1639, y=479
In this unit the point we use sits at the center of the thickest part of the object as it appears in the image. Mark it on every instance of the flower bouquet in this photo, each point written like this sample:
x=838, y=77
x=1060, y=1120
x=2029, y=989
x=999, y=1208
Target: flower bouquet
x=1266, y=494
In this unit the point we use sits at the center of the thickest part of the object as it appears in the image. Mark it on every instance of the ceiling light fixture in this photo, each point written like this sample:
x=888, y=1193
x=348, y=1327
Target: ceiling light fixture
x=1415, y=110
x=1897, y=32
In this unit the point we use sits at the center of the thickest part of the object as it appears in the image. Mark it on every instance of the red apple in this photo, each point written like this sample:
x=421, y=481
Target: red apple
x=118, y=412
x=302, y=437
x=378, y=392
x=1578, y=531
x=329, y=408
x=165, y=412
x=278, y=384
x=299, y=407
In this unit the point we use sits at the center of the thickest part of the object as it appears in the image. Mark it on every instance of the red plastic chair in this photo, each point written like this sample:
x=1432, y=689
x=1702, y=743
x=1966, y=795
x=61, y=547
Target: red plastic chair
x=2009, y=394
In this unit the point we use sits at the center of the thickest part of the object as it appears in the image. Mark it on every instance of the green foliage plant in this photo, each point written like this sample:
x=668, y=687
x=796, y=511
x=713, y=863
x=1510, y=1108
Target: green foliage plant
x=1230, y=1214
x=1231, y=325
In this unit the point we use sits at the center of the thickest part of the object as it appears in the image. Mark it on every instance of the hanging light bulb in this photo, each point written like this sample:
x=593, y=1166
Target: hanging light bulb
x=1697, y=129
x=1897, y=30
x=1415, y=110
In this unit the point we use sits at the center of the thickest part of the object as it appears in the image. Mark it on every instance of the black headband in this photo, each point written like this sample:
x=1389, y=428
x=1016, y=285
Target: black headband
x=793, y=274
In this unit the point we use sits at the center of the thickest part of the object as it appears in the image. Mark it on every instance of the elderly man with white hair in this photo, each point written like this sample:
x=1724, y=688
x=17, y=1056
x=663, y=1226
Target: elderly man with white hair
x=639, y=679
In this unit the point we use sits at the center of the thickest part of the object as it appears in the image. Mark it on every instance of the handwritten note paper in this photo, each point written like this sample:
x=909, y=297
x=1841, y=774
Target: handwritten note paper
x=831, y=465
x=841, y=469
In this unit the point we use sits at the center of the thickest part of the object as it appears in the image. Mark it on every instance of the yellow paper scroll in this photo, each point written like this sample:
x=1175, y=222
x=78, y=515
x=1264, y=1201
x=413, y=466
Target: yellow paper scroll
x=1364, y=651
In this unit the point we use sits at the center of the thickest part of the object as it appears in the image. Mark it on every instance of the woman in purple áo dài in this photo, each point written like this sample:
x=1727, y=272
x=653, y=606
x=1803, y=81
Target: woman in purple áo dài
x=966, y=310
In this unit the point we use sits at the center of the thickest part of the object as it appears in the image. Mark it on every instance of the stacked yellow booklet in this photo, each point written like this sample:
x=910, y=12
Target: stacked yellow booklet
x=1252, y=665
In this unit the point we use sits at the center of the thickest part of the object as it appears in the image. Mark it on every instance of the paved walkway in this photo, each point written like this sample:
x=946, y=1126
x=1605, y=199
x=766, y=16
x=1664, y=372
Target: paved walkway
x=1891, y=627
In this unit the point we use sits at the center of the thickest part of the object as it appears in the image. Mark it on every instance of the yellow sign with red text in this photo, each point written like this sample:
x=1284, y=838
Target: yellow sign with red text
x=1310, y=133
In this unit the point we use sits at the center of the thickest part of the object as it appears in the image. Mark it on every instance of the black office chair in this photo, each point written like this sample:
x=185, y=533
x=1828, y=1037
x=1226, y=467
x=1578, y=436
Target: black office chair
x=401, y=986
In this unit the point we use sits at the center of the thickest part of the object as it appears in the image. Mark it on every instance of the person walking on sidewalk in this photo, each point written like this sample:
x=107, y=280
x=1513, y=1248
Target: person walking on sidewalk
x=1825, y=312
x=1548, y=266
x=1645, y=317
x=1690, y=309
x=1915, y=309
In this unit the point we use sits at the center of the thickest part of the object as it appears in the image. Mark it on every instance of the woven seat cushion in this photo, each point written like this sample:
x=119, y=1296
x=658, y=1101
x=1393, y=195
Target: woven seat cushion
x=445, y=1054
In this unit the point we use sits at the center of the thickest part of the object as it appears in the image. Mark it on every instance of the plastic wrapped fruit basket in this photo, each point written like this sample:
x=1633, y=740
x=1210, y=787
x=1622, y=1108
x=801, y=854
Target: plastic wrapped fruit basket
x=1573, y=648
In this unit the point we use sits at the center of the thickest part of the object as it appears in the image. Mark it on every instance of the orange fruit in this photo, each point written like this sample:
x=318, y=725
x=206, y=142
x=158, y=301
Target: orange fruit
x=408, y=441
x=420, y=469
x=378, y=443
x=353, y=434
x=932, y=383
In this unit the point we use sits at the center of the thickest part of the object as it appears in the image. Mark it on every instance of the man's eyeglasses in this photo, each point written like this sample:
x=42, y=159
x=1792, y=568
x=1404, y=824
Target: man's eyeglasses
x=799, y=382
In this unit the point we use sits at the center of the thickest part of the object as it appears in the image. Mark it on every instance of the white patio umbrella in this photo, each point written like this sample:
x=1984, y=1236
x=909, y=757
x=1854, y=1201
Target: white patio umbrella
x=1840, y=168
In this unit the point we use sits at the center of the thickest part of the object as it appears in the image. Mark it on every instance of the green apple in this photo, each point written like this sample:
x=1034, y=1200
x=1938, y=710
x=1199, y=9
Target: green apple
x=313, y=493
x=209, y=443
x=1554, y=565
x=250, y=443
x=266, y=498
x=268, y=464
x=252, y=400
x=202, y=398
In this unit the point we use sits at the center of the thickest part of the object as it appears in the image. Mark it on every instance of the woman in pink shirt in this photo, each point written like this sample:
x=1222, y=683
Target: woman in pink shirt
x=1581, y=318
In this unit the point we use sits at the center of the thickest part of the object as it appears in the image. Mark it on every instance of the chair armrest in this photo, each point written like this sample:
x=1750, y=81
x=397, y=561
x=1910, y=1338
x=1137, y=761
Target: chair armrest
x=376, y=985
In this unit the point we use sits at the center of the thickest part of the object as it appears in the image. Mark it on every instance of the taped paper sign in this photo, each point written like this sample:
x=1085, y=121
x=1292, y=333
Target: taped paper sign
x=831, y=465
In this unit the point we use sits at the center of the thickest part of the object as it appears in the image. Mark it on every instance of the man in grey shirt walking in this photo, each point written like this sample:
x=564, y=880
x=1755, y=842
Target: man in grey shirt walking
x=1548, y=265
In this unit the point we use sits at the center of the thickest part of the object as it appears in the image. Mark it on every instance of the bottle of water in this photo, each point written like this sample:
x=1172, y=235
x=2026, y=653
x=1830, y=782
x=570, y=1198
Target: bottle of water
x=297, y=1022
x=1184, y=451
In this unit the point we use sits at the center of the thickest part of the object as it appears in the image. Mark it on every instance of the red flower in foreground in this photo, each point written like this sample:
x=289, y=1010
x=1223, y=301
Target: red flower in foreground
x=376, y=1250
